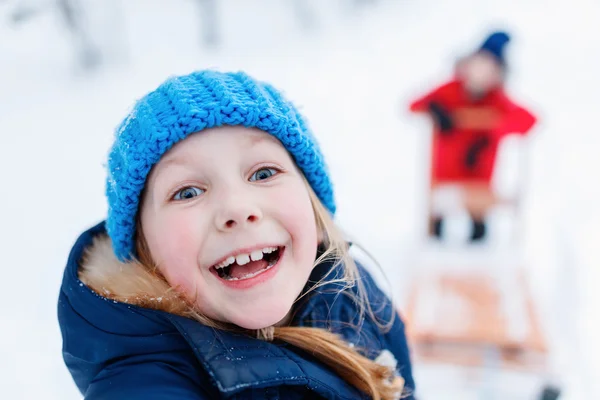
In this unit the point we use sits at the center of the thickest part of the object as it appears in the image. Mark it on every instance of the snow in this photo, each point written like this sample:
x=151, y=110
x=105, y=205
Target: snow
x=352, y=70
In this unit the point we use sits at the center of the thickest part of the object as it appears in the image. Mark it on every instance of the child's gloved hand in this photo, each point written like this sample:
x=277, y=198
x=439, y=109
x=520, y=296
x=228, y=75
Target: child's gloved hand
x=441, y=117
x=479, y=144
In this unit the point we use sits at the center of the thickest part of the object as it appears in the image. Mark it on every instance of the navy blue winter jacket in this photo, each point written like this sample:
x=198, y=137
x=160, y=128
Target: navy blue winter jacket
x=119, y=351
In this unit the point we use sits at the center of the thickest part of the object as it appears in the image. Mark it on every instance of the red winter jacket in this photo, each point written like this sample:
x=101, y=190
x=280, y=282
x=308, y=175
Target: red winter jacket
x=467, y=152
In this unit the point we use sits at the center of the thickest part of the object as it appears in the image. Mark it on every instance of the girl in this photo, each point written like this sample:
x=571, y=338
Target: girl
x=219, y=272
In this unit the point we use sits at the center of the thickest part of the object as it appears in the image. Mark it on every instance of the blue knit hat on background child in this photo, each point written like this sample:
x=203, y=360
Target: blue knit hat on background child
x=494, y=45
x=186, y=104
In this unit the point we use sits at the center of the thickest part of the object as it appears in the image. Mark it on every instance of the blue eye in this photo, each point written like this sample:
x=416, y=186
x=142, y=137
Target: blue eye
x=263, y=173
x=188, y=193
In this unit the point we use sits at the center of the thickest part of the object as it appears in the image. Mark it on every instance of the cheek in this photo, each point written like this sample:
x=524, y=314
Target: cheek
x=296, y=213
x=496, y=76
x=172, y=237
x=174, y=244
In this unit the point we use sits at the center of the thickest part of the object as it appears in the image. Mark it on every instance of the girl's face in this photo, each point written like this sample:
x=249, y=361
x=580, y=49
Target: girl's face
x=229, y=222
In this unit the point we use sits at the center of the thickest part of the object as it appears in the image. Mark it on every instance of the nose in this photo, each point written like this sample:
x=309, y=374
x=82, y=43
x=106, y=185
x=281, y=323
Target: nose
x=237, y=213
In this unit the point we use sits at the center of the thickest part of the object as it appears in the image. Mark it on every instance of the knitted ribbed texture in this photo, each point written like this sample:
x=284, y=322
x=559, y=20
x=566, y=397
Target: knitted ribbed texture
x=187, y=104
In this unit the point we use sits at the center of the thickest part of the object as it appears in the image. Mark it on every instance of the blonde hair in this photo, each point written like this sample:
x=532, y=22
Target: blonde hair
x=378, y=381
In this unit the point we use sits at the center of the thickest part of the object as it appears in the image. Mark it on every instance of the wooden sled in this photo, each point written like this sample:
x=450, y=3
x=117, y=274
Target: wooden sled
x=463, y=319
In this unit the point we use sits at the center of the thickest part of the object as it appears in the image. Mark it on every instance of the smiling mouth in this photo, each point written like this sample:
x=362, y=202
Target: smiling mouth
x=248, y=266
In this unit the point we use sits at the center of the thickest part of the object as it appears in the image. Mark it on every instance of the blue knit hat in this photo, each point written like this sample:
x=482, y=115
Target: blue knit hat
x=494, y=44
x=186, y=104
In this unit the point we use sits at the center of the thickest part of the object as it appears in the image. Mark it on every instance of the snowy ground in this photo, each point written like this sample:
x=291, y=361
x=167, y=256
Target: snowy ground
x=353, y=71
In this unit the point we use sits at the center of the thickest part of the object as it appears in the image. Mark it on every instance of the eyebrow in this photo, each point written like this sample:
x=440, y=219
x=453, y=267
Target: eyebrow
x=172, y=161
x=184, y=160
x=158, y=167
x=256, y=139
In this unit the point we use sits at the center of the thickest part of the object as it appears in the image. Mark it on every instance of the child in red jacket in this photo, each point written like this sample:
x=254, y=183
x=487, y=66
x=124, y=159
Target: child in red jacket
x=471, y=114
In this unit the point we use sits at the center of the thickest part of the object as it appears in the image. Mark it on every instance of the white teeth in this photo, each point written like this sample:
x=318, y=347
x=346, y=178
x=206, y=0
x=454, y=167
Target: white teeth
x=225, y=263
x=256, y=255
x=242, y=259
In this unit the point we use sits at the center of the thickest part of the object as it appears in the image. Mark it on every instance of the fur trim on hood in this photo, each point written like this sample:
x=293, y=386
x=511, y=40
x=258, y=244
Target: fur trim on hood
x=128, y=282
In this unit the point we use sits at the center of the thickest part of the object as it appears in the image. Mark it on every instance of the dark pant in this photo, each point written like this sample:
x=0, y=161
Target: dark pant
x=478, y=229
